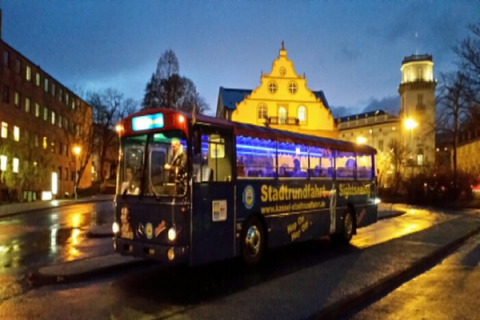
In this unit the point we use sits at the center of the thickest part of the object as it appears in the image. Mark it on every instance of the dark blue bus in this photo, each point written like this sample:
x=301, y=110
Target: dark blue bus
x=242, y=188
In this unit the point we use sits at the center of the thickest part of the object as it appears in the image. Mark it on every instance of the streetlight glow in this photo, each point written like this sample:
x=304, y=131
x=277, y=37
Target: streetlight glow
x=119, y=128
x=410, y=124
x=77, y=150
x=361, y=140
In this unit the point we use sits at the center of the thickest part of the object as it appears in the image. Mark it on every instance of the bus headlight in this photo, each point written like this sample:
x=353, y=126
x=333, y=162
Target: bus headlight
x=172, y=234
x=115, y=227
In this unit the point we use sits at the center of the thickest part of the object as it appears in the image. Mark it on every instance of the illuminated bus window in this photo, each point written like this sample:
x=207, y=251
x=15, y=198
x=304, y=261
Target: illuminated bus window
x=364, y=166
x=321, y=163
x=256, y=158
x=345, y=165
x=215, y=164
x=292, y=160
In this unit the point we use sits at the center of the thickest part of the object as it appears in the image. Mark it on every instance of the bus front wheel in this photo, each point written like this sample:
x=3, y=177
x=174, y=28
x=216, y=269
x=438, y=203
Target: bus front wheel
x=253, y=241
x=348, y=225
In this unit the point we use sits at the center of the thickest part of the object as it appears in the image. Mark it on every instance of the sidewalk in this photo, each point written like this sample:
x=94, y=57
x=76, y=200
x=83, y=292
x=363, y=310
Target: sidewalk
x=18, y=208
x=390, y=210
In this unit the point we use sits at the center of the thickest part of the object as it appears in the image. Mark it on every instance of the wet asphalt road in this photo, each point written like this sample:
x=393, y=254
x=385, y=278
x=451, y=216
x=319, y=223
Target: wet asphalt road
x=45, y=237
x=150, y=289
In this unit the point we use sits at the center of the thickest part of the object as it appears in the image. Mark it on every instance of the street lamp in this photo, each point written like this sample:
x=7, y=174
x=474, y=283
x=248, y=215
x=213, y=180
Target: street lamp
x=76, y=151
x=361, y=140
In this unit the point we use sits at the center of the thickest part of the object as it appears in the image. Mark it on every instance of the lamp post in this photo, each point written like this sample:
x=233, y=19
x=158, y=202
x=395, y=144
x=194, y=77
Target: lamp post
x=76, y=151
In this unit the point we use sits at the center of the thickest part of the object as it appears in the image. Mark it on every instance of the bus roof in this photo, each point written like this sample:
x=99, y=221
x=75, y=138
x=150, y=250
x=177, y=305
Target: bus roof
x=254, y=131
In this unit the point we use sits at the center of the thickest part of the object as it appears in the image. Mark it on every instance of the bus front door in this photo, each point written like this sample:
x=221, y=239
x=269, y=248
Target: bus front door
x=213, y=196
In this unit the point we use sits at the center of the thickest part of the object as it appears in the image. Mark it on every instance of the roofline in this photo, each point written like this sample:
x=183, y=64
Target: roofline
x=48, y=74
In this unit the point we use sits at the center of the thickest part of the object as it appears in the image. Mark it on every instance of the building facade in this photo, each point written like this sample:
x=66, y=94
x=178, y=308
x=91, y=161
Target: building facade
x=282, y=101
x=377, y=129
x=41, y=121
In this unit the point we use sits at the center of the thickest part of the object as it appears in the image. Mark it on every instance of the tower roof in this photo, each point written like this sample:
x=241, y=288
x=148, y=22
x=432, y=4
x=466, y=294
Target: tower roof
x=417, y=57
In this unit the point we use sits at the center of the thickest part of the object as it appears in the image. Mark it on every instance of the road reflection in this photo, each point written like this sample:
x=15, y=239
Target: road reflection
x=51, y=236
x=413, y=220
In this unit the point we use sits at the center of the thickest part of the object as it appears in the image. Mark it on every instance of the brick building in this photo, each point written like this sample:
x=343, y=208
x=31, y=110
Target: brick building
x=41, y=120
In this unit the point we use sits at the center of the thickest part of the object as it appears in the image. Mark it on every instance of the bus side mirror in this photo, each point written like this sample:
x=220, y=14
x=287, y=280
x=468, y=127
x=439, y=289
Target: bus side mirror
x=197, y=142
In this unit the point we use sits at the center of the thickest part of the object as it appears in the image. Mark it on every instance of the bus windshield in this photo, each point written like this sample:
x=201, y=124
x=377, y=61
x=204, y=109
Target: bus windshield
x=154, y=164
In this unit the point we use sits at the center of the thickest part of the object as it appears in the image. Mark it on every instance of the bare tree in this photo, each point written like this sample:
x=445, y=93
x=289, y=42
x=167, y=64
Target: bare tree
x=397, y=158
x=78, y=131
x=109, y=107
x=167, y=89
x=454, y=105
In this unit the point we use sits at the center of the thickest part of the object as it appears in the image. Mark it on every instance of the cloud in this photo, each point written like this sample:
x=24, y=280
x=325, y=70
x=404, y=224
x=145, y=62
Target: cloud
x=349, y=54
x=342, y=111
x=391, y=104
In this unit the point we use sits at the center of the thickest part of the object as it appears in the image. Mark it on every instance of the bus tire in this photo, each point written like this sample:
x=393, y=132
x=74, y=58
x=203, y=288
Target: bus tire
x=253, y=241
x=348, y=227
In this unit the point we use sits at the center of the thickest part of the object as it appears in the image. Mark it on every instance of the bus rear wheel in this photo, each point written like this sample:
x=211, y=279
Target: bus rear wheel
x=346, y=234
x=253, y=241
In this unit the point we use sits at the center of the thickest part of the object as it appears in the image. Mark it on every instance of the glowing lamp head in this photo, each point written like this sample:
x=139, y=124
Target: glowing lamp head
x=181, y=118
x=410, y=124
x=361, y=140
x=77, y=150
x=119, y=128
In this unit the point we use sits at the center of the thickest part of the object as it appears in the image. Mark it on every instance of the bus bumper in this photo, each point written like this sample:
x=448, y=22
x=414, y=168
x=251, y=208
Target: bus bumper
x=164, y=253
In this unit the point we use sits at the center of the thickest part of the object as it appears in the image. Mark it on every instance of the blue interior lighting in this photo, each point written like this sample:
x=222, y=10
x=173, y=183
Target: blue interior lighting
x=151, y=121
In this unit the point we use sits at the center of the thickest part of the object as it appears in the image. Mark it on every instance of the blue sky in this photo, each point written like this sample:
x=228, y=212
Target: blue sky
x=350, y=49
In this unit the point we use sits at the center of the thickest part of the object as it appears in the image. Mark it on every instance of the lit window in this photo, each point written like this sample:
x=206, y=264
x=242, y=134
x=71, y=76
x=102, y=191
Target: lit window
x=45, y=114
x=60, y=120
x=37, y=110
x=292, y=87
x=45, y=142
x=16, y=133
x=53, y=117
x=282, y=115
x=4, y=130
x=272, y=87
x=28, y=73
x=3, y=163
x=15, y=165
x=73, y=105
x=27, y=105
x=262, y=112
x=37, y=79
x=66, y=99
x=420, y=159
x=45, y=84
x=302, y=114
x=17, y=99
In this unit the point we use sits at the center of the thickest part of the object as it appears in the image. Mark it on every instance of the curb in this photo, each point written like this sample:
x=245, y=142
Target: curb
x=350, y=303
x=37, y=279
x=47, y=208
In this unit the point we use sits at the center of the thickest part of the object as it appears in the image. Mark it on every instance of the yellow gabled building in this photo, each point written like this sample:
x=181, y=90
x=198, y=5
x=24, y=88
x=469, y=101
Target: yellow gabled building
x=282, y=101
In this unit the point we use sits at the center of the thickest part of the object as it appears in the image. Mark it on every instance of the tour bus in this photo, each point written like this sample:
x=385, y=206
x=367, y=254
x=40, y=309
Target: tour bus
x=244, y=189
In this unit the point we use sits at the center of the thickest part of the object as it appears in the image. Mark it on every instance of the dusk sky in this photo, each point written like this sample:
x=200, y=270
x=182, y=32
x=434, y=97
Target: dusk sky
x=352, y=50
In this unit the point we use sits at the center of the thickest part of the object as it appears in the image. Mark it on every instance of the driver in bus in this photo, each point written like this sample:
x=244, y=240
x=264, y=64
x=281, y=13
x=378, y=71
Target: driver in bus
x=177, y=163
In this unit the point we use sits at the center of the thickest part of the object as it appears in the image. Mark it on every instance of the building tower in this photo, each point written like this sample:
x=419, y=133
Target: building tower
x=417, y=112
